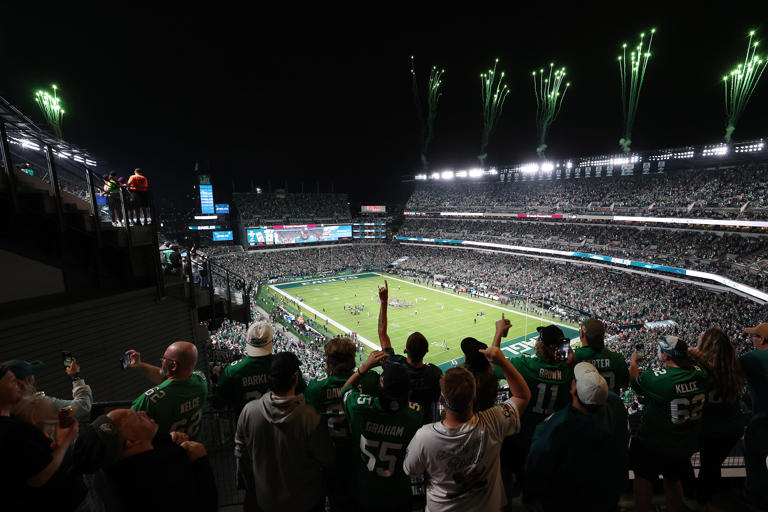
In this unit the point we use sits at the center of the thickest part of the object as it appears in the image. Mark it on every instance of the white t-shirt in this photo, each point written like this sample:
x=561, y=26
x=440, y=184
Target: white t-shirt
x=462, y=463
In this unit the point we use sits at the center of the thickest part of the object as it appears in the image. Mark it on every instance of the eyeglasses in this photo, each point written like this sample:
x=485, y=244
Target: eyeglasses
x=163, y=358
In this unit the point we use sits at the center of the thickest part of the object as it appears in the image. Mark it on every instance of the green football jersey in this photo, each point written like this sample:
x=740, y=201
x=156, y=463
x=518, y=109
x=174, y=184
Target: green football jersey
x=325, y=396
x=176, y=405
x=675, y=398
x=611, y=365
x=550, y=386
x=245, y=380
x=382, y=437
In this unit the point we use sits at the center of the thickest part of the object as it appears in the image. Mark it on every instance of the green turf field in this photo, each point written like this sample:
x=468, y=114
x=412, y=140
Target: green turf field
x=442, y=316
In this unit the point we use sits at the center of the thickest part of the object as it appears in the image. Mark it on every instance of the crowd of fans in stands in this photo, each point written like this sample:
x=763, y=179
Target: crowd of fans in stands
x=740, y=257
x=255, y=208
x=717, y=193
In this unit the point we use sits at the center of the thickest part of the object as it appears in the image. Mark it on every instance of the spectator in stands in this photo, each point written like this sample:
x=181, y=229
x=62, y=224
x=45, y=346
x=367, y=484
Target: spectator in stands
x=325, y=396
x=581, y=449
x=382, y=425
x=722, y=424
x=282, y=446
x=485, y=379
x=459, y=455
x=548, y=377
x=32, y=475
x=170, y=469
x=112, y=191
x=611, y=365
x=669, y=430
x=138, y=186
x=425, y=378
x=755, y=367
x=248, y=378
x=178, y=400
x=82, y=396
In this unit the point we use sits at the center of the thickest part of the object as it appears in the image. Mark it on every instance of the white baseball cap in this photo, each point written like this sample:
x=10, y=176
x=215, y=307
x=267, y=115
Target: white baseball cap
x=258, y=339
x=590, y=385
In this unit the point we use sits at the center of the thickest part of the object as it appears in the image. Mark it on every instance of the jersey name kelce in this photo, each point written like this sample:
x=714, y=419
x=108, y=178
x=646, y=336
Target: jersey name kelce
x=176, y=405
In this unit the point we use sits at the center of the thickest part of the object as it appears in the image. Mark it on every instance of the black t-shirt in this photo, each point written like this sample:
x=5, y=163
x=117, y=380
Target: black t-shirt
x=26, y=451
x=425, y=385
x=164, y=474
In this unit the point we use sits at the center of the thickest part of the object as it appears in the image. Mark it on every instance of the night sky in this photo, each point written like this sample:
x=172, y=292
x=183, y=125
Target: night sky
x=299, y=96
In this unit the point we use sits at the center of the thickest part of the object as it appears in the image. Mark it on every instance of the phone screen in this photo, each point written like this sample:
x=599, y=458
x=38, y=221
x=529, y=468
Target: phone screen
x=562, y=352
x=125, y=361
x=67, y=358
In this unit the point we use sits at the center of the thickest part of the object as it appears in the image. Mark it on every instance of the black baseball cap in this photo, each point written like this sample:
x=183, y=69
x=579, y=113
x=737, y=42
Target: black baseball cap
x=472, y=356
x=394, y=381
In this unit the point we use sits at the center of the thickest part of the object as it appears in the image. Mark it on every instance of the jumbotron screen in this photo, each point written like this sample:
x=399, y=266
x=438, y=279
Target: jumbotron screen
x=297, y=234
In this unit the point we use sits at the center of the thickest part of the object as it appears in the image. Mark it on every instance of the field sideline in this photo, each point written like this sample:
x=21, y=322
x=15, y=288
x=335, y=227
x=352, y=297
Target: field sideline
x=442, y=316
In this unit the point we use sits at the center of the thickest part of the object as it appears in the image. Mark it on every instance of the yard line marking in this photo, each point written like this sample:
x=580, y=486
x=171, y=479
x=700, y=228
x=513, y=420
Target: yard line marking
x=472, y=300
x=330, y=320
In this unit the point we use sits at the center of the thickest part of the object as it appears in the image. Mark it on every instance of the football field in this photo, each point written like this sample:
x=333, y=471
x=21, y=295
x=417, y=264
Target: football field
x=350, y=303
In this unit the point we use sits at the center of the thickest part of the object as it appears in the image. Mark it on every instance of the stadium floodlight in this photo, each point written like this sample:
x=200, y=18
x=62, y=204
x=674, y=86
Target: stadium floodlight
x=475, y=173
x=492, y=171
x=569, y=165
x=547, y=167
x=529, y=168
x=461, y=174
x=421, y=176
x=446, y=175
x=435, y=175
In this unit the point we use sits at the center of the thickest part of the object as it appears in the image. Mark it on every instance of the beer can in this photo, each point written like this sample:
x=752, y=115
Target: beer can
x=66, y=416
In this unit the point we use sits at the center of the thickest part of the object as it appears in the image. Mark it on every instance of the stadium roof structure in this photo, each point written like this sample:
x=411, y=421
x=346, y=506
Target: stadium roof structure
x=24, y=134
x=720, y=154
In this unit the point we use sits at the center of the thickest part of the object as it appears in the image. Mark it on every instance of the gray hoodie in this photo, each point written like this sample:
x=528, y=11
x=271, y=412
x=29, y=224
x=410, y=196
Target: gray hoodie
x=281, y=448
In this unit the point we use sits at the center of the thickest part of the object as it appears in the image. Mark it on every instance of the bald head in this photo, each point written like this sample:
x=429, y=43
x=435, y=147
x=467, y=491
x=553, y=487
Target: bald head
x=179, y=360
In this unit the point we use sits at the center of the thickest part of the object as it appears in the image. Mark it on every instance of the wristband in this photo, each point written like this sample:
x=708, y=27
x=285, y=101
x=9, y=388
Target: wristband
x=358, y=371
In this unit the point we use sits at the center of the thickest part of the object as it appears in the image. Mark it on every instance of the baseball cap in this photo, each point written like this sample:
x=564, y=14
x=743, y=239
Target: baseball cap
x=676, y=348
x=593, y=328
x=98, y=446
x=258, y=339
x=394, y=380
x=760, y=330
x=551, y=335
x=23, y=369
x=284, y=365
x=470, y=347
x=590, y=385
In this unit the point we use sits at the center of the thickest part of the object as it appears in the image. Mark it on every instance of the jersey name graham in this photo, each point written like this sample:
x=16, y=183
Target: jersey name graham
x=384, y=430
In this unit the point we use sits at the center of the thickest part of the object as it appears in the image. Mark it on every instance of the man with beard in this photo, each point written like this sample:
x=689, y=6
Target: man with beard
x=177, y=402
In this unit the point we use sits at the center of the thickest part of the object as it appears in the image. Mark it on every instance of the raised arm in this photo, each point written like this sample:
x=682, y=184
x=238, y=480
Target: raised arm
x=374, y=359
x=518, y=389
x=502, y=328
x=150, y=372
x=384, y=299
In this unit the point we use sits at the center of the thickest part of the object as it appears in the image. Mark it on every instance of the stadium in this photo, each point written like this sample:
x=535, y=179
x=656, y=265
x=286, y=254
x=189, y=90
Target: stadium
x=109, y=274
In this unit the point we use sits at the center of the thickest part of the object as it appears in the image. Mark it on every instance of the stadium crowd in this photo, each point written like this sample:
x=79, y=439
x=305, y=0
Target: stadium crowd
x=743, y=258
x=715, y=193
x=255, y=208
